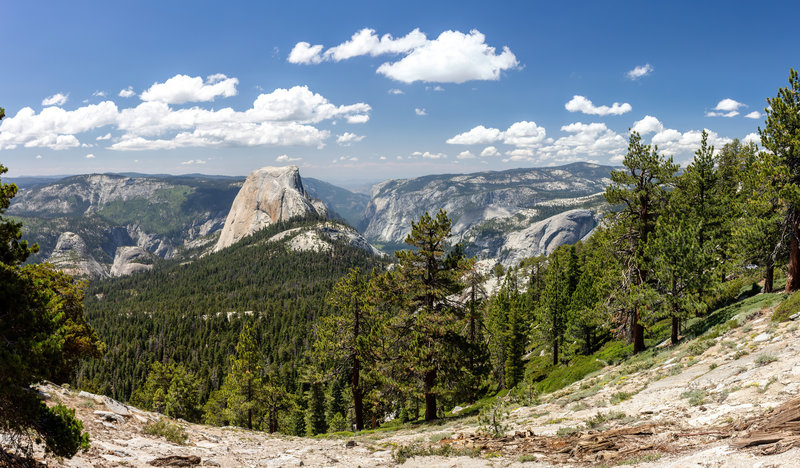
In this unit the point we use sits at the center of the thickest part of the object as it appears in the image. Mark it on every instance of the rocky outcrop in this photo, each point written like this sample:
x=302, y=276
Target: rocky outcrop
x=543, y=237
x=268, y=195
x=73, y=258
x=320, y=238
x=131, y=259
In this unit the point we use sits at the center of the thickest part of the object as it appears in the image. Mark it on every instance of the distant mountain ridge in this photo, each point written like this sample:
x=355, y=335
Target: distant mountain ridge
x=486, y=208
x=104, y=224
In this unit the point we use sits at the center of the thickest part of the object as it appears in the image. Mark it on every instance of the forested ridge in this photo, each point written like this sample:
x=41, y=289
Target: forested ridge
x=192, y=313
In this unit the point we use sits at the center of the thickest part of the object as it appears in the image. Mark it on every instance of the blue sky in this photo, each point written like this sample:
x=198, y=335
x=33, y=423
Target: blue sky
x=227, y=87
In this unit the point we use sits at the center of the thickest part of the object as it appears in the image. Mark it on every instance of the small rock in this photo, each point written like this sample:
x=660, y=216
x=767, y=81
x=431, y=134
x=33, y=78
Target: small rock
x=116, y=406
x=119, y=453
x=211, y=463
x=109, y=416
x=762, y=337
x=176, y=460
x=794, y=316
x=457, y=410
x=350, y=444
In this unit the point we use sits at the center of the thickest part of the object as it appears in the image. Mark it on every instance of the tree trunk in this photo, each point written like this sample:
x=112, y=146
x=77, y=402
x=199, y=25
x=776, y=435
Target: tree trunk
x=555, y=352
x=769, y=275
x=675, y=329
x=793, y=275
x=358, y=403
x=430, y=397
x=638, y=333
x=273, y=423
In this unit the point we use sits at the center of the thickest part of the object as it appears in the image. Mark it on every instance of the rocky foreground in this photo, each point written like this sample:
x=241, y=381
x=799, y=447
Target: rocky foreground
x=730, y=400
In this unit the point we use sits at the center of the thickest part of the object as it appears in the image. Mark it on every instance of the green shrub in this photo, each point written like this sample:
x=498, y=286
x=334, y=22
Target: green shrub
x=765, y=359
x=695, y=397
x=492, y=418
x=63, y=433
x=620, y=397
x=787, y=308
x=565, y=431
x=699, y=346
x=163, y=428
x=404, y=452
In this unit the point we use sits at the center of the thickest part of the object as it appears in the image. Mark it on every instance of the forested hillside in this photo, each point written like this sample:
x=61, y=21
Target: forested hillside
x=192, y=313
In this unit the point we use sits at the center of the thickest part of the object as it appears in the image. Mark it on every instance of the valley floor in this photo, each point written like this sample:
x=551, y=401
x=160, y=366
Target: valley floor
x=694, y=405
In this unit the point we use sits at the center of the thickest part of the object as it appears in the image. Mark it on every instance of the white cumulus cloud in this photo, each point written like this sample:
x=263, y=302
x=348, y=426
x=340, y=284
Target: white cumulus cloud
x=183, y=88
x=283, y=117
x=753, y=115
x=193, y=161
x=465, y=155
x=127, y=92
x=453, y=57
x=54, y=127
x=640, y=71
x=367, y=42
x=396, y=91
x=648, y=124
x=284, y=158
x=726, y=108
x=57, y=99
x=584, y=105
x=420, y=111
x=347, y=138
x=429, y=155
x=752, y=138
x=489, y=151
x=90, y=156
x=305, y=53
x=477, y=135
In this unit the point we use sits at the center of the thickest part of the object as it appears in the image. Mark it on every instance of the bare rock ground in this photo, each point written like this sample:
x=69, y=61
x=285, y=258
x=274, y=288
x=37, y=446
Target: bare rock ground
x=689, y=406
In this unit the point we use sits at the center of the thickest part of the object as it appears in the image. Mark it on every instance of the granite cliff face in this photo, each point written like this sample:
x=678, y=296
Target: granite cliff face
x=268, y=195
x=73, y=258
x=82, y=222
x=498, y=215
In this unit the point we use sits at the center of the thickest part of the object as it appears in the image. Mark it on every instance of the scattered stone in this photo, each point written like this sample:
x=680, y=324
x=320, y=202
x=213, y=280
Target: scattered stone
x=110, y=417
x=119, y=453
x=794, y=316
x=176, y=460
x=116, y=406
x=762, y=337
x=457, y=410
x=211, y=463
x=350, y=444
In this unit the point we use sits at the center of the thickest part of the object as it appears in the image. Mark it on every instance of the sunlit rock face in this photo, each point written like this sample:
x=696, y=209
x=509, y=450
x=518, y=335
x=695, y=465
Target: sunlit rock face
x=268, y=195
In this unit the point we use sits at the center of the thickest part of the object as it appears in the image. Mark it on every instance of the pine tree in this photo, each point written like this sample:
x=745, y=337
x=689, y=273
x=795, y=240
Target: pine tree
x=553, y=311
x=428, y=337
x=239, y=396
x=43, y=334
x=757, y=235
x=641, y=191
x=342, y=343
x=781, y=136
x=678, y=261
x=316, y=410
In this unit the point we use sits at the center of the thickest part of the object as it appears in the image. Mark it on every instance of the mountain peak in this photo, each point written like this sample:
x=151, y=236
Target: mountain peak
x=268, y=195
